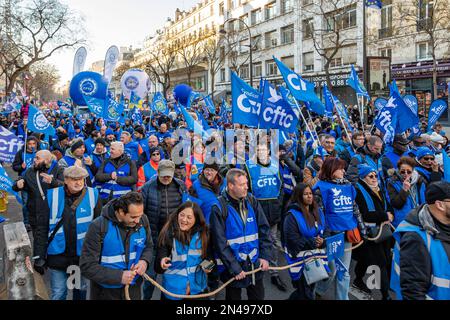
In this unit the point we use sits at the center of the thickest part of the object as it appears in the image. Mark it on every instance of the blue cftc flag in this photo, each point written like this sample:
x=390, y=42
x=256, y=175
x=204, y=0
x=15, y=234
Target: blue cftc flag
x=437, y=108
x=376, y=4
x=159, y=104
x=10, y=145
x=386, y=121
x=37, y=122
x=301, y=89
x=446, y=166
x=356, y=84
x=406, y=119
x=6, y=184
x=246, y=102
x=96, y=106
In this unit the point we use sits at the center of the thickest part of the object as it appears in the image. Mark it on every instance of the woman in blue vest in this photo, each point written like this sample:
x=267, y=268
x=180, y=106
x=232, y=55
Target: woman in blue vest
x=303, y=235
x=406, y=189
x=375, y=210
x=336, y=196
x=182, y=246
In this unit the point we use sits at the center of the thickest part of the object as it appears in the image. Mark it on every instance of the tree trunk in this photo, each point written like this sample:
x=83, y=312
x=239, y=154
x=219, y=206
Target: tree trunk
x=434, y=79
x=213, y=82
x=327, y=75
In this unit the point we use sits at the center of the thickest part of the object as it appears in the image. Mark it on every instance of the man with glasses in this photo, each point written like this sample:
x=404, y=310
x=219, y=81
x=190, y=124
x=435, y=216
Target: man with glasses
x=420, y=269
x=427, y=165
x=145, y=156
x=370, y=155
x=150, y=169
x=329, y=144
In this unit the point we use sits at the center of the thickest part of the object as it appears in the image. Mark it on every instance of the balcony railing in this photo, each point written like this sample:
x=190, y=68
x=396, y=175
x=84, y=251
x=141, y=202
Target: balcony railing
x=424, y=24
x=385, y=33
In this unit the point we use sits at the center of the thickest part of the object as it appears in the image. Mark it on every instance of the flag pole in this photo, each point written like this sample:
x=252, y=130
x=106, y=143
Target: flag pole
x=26, y=137
x=361, y=111
x=342, y=122
x=307, y=125
x=310, y=119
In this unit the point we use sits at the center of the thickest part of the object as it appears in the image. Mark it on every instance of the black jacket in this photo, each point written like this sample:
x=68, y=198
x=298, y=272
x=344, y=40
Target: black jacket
x=160, y=201
x=18, y=160
x=415, y=261
x=221, y=247
x=91, y=255
x=352, y=172
x=38, y=216
x=69, y=257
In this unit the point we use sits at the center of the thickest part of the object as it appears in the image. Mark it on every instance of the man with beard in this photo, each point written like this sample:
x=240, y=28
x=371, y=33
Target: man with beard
x=43, y=175
x=369, y=155
x=76, y=157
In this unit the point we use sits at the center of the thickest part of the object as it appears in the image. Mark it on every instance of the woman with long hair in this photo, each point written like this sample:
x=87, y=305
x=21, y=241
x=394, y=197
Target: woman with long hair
x=336, y=197
x=303, y=236
x=182, y=246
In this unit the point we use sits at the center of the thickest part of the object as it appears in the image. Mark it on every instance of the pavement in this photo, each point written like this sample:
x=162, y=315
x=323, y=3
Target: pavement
x=14, y=214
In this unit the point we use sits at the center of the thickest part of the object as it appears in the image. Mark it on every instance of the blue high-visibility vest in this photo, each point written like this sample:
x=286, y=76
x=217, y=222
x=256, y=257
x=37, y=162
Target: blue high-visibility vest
x=265, y=181
x=338, y=200
x=84, y=216
x=90, y=145
x=440, y=277
x=377, y=166
x=149, y=171
x=112, y=186
x=308, y=232
x=185, y=268
x=113, y=252
x=400, y=214
x=393, y=158
x=289, y=182
x=208, y=198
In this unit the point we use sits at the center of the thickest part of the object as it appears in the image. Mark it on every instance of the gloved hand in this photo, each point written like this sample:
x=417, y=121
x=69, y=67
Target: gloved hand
x=40, y=266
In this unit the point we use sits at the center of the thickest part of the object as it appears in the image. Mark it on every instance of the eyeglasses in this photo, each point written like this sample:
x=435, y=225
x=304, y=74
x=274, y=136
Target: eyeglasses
x=405, y=172
x=428, y=158
x=372, y=176
x=155, y=154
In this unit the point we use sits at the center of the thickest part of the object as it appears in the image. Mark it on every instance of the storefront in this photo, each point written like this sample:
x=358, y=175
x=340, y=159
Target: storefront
x=417, y=79
x=341, y=90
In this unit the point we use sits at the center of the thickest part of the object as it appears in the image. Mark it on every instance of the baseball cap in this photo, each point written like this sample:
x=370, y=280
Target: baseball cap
x=437, y=191
x=166, y=168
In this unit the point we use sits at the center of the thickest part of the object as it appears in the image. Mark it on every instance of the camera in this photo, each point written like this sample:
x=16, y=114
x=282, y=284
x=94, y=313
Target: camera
x=207, y=265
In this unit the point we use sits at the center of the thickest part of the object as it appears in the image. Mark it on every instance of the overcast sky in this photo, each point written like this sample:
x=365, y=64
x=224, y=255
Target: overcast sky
x=120, y=23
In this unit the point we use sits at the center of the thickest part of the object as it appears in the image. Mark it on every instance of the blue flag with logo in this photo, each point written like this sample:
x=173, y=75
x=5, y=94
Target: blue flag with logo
x=380, y=103
x=203, y=121
x=159, y=104
x=356, y=84
x=113, y=111
x=136, y=115
x=376, y=4
x=95, y=105
x=37, y=122
x=335, y=246
x=406, y=119
x=276, y=113
x=224, y=112
x=191, y=123
x=393, y=88
x=301, y=89
x=193, y=96
x=289, y=98
x=386, y=121
x=246, y=102
x=341, y=269
x=64, y=106
x=10, y=144
x=6, y=184
x=437, y=108
x=446, y=159
x=412, y=103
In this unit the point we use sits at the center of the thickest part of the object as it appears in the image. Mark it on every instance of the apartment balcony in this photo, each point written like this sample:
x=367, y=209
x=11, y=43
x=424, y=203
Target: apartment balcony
x=385, y=33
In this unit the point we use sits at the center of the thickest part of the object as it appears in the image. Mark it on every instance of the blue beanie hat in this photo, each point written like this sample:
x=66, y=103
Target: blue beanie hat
x=424, y=151
x=364, y=170
x=108, y=132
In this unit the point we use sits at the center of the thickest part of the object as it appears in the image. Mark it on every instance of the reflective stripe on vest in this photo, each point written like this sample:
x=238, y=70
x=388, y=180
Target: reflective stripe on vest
x=113, y=252
x=400, y=214
x=112, y=186
x=185, y=268
x=440, y=277
x=84, y=216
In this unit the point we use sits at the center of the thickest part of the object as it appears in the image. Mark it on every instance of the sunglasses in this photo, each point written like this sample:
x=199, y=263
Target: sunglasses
x=428, y=158
x=406, y=172
x=155, y=154
x=372, y=176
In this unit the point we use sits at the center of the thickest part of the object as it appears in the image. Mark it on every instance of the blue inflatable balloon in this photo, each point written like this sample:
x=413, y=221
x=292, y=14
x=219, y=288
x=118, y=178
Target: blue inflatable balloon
x=89, y=84
x=181, y=93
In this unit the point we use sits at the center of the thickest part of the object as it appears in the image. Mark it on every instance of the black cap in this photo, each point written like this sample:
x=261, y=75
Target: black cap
x=62, y=136
x=100, y=140
x=400, y=139
x=213, y=165
x=140, y=130
x=437, y=191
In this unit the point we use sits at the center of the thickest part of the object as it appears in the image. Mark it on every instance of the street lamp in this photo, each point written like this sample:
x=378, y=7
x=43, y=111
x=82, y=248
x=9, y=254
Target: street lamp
x=224, y=32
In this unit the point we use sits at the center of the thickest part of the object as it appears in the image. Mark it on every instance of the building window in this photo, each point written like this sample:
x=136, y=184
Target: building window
x=307, y=2
x=386, y=20
x=211, y=10
x=336, y=62
x=386, y=52
x=257, y=69
x=349, y=55
x=425, y=9
x=342, y=20
x=243, y=46
x=307, y=28
x=348, y=18
x=199, y=83
x=271, y=39
x=287, y=34
x=287, y=6
x=245, y=19
x=270, y=10
x=271, y=68
x=256, y=43
x=256, y=16
x=308, y=61
x=221, y=9
x=424, y=51
x=244, y=71
x=222, y=75
x=289, y=62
